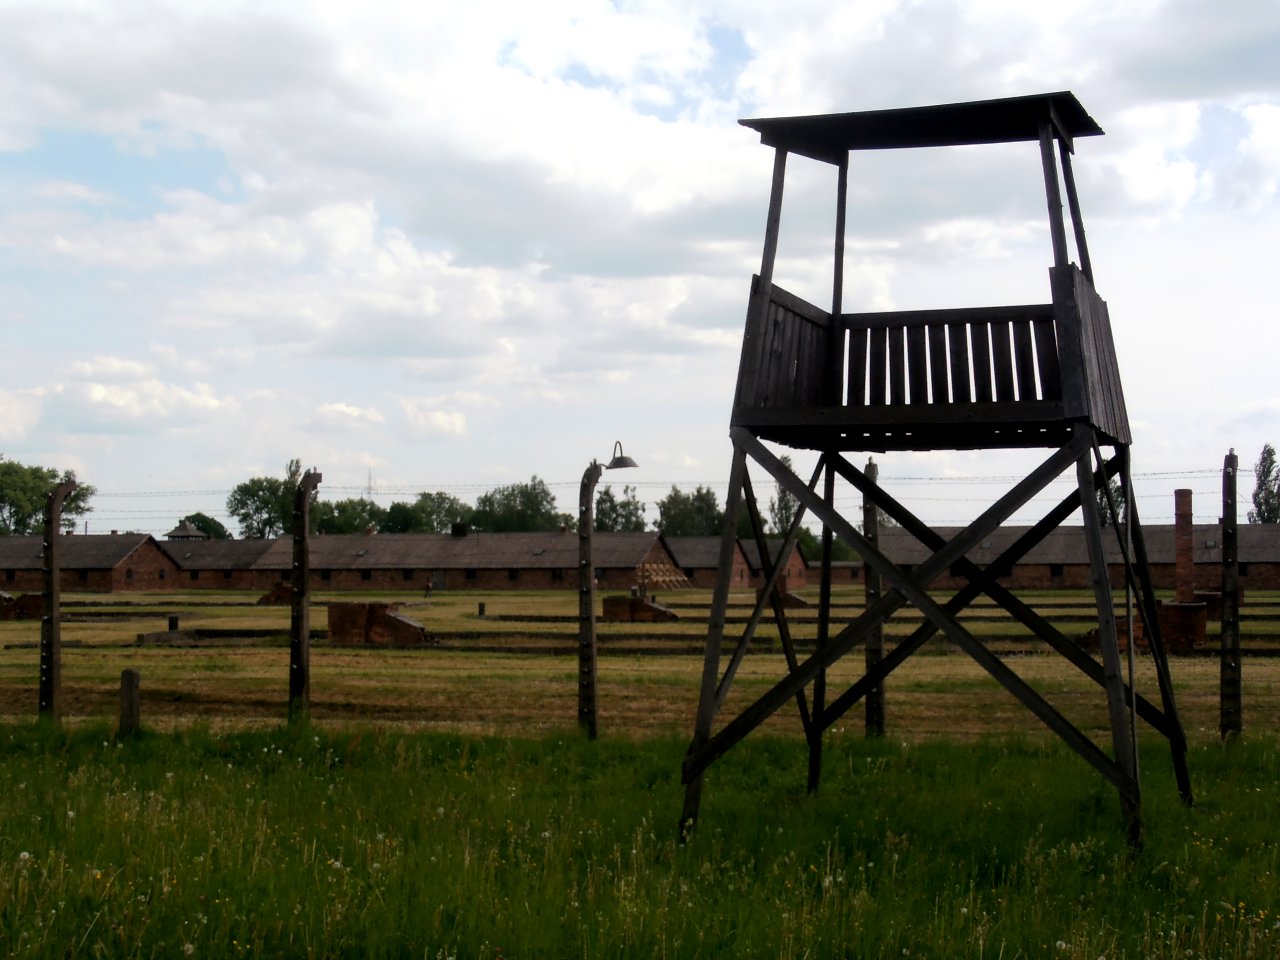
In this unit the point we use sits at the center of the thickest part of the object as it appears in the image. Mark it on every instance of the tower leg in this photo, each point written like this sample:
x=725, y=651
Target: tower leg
x=824, y=632
x=1113, y=680
x=1155, y=642
x=715, y=636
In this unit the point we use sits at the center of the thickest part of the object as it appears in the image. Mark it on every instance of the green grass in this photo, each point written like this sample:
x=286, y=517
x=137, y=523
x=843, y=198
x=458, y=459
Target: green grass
x=375, y=843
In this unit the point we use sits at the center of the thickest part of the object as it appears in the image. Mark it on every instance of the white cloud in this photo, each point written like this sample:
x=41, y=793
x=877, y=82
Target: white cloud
x=423, y=418
x=146, y=400
x=21, y=414
x=110, y=368
x=1257, y=172
x=345, y=414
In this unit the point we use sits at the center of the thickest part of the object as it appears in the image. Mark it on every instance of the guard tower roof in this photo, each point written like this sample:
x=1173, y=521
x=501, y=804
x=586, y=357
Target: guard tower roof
x=828, y=137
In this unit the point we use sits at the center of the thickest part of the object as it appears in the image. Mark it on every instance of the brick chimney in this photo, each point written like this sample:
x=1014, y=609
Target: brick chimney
x=1184, y=577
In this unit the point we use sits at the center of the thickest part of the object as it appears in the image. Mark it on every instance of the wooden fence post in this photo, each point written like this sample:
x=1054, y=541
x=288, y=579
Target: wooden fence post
x=51, y=612
x=130, y=703
x=300, y=612
x=1231, y=719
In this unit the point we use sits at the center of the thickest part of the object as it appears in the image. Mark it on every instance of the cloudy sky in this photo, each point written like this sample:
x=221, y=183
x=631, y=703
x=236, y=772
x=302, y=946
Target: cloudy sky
x=428, y=246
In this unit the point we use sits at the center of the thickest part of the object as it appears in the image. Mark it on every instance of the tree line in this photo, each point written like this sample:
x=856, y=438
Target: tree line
x=263, y=507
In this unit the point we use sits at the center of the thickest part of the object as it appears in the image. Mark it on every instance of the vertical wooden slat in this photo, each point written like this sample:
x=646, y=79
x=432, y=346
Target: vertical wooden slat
x=789, y=356
x=981, y=341
x=1047, y=359
x=917, y=367
x=803, y=377
x=769, y=358
x=1002, y=360
x=958, y=344
x=879, y=361
x=857, y=366
x=810, y=374
x=1024, y=361
x=897, y=368
x=938, y=363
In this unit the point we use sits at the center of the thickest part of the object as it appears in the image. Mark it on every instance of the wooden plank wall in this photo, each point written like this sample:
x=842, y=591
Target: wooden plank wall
x=949, y=357
x=1102, y=371
x=783, y=352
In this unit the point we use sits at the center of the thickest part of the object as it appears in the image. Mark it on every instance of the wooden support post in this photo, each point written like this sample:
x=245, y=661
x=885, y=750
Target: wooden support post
x=130, y=703
x=51, y=612
x=1077, y=219
x=1231, y=714
x=1155, y=639
x=833, y=376
x=824, y=631
x=1053, y=195
x=874, y=652
x=715, y=638
x=300, y=613
x=1123, y=746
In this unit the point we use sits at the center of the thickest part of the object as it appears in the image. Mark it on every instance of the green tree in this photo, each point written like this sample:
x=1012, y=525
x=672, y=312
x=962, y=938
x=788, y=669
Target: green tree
x=696, y=514
x=263, y=506
x=810, y=545
x=616, y=516
x=353, y=515
x=430, y=513
x=783, y=506
x=519, y=507
x=1266, y=491
x=24, y=490
x=207, y=525
x=1117, y=497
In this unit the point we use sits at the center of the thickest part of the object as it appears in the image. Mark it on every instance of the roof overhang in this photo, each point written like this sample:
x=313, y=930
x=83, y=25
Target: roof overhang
x=829, y=137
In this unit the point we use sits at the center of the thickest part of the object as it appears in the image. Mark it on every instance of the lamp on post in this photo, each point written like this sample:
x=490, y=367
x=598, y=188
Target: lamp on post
x=587, y=711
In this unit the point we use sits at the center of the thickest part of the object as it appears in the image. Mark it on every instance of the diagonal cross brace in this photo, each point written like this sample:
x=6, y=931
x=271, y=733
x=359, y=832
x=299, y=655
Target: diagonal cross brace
x=984, y=581
x=906, y=589
x=767, y=594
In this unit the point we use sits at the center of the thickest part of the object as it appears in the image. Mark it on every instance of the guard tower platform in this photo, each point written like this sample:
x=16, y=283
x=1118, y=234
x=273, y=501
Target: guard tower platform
x=1036, y=375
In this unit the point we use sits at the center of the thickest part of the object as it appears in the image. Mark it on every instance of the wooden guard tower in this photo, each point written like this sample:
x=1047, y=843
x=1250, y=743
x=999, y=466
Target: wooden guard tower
x=1041, y=375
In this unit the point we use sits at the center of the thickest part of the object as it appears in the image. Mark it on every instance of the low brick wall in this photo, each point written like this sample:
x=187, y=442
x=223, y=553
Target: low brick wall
x=26, y=606
x=636, y=610
x=374, y=625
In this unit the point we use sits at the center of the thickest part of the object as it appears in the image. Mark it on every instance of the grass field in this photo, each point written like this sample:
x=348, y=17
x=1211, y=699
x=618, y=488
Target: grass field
x=442, y=804
x=375, y=843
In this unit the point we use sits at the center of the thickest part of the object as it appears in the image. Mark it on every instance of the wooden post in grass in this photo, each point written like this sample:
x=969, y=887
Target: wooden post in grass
x=588, y=707
x=130, y=703
x=51, y=612
x=1231, y=719
x=300, y=614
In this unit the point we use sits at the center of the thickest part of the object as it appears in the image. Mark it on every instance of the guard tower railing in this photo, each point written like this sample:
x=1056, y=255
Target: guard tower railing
x=1009, y=376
